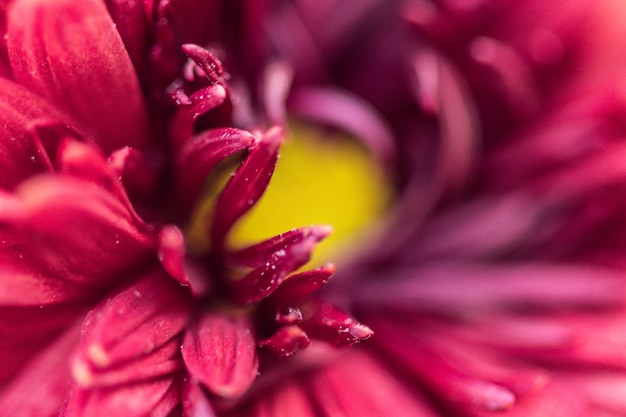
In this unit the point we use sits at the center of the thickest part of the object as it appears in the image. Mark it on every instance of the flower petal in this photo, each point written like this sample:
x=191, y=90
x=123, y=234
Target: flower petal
x=134, y=323
x=247, y=185
x=47, y=252
x=282, y=255
x=220, y=351
x=201, y=154
x=155, y=398
x=341, y=389
x=21, y=155
x=79, y=63
x=41, y=386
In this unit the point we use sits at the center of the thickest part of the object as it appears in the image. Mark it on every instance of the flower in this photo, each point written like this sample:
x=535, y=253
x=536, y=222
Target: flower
x=493, y=283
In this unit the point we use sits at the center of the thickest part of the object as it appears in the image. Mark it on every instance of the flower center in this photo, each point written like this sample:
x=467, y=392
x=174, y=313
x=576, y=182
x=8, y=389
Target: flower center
x=321, y=177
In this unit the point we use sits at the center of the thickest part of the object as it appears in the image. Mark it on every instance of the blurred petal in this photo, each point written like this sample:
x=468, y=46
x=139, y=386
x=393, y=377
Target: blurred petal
x=21, y=153
x=48, y=254
x=41, y=386
x=71, y=54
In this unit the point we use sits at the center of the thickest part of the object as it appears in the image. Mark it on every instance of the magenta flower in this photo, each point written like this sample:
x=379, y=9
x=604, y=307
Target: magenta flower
x=494, y=283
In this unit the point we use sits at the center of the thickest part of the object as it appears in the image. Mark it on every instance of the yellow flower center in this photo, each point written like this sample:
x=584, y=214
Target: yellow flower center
x=321, y=178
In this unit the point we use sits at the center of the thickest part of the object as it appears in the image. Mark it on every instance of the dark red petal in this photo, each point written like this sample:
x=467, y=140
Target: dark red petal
x=65, y=238
x=21, y=153
x=131, y=21
x=191, y=108
x=220, y=352
x=291, y=399
x=247, y=185
x=256, y=255
x=135, y=170
x=286, y=341
x=283, y=256
x=201, y=154
x=300, y=285
x=70, y=53
x=133, y=324
x=206, y=61
x=155, y=398
x=327, y=322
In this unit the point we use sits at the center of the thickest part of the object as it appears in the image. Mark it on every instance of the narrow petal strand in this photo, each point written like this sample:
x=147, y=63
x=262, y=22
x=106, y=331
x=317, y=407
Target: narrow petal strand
x=247, y=185
x=95, y=84
x=220, y=352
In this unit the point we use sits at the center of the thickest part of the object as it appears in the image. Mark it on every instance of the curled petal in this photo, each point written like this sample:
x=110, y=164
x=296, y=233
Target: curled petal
x=256, y=255
x=79, y=63
x=207, y=62
x=201, y=154
x=247, y=185
x=191, y=108
x=324, y=321
x=286, y=341
x=300, y=285
x=220, y=352
x=284, y=255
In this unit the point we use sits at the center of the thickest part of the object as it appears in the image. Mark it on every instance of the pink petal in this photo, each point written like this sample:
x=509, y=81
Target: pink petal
x=133, y=324
x=292, y=399
x=247, y=185
x=155, y=398
x=41, y=386
x=27, y=331
x=451, y=384
x=162, y=361
x=70, y=53
x=358, y=385
x=172, y=253
x=327, y=322
x=21, y=152
x=195, y=401
x=63, y=238
x=220, y=352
